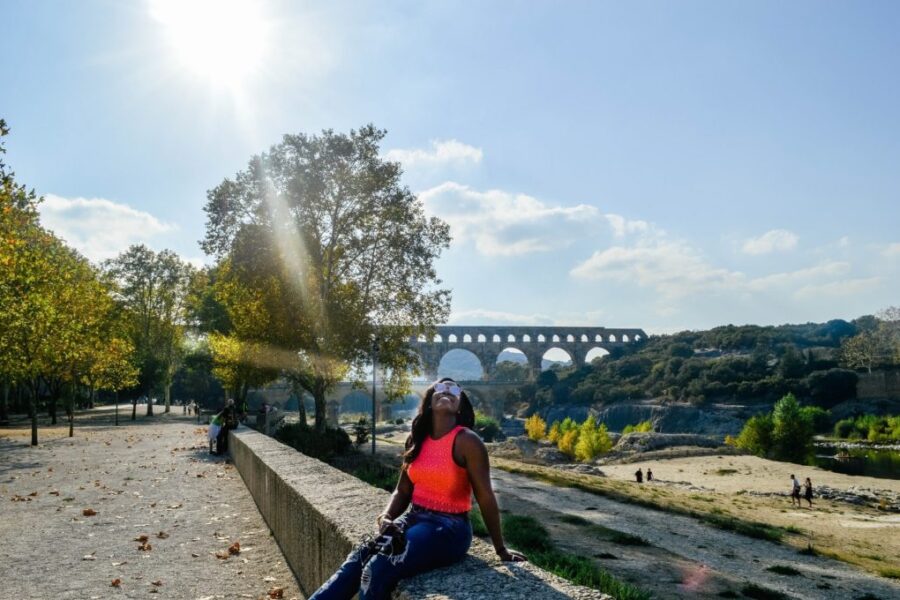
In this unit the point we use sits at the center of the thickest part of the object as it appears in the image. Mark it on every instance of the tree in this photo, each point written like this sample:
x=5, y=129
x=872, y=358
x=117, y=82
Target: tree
x=756, y=436
x=593, y=440
x=114, y=370
x=535, y=427
x=335, y=250
x=792, y=430
x=153, y=287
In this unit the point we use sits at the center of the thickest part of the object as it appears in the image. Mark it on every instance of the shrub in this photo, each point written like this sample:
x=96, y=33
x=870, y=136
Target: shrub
x=567, y=442
x=843, y=428
x=307, y=440
x=792, y=432
x=554, y=433
x=756, y=436
x=592, y=440
x=642, y=427
x=487, y=427
x=819, y=418
x=535, y=427
x=361, y=432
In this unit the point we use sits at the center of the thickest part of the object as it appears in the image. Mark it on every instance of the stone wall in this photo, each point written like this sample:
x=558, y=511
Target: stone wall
x=318, y=513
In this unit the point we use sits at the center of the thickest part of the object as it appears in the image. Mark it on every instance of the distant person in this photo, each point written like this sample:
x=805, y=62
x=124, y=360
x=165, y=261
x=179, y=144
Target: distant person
x=230, y=417
x=649, y=474
x=808, y=491
x=795, y=491
x=639, y=476
x=215, y=427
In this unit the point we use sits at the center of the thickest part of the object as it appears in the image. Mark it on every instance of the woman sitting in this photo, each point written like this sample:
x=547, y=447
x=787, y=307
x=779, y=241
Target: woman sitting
x=444, y=462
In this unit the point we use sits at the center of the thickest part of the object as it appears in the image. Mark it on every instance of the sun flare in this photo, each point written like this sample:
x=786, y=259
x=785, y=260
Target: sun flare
x=223, y=41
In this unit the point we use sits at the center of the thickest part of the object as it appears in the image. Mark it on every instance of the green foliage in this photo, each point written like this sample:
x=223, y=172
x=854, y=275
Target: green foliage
x=554, y=434
x=642, y=427
x=567, y=442
x=593, y=440
x=378, y=475
x=322, y=445
x=869, y=427
x=477, y=521
x=818, y=417
x=487, y=427
x=785, y=434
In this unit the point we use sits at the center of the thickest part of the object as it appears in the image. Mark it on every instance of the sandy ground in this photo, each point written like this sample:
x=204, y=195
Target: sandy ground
x=752, y=473
x=153, y=478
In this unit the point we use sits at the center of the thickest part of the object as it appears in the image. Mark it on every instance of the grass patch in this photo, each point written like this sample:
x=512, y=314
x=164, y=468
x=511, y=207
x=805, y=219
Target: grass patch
x=891, y=572
x=527, y=535
x=701, y=498
x=783, y=570
x=808, y=551
x=751, y=590
x=377, y=475
x=574, y=520
x=626, y=539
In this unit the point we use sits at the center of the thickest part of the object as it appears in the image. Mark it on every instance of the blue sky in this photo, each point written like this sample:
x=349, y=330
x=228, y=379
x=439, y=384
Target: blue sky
x=665, y=165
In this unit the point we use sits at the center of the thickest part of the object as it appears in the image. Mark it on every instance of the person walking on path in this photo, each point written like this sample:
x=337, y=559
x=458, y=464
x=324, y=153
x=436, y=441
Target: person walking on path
x=649, y=474
x=445, y=461
x=795, y=491
x=215, y=428
x=808, y=491
x=639, y=476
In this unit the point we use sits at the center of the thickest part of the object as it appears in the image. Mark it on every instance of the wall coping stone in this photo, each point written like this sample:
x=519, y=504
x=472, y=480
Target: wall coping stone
x=317, y=514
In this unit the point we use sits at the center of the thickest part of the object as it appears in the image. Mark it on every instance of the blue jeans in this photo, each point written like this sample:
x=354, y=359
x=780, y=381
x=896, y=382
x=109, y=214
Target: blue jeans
x=433, y=540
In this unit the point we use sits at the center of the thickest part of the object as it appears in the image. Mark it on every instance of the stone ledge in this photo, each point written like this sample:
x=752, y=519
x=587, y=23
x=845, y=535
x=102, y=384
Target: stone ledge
x=317, y=514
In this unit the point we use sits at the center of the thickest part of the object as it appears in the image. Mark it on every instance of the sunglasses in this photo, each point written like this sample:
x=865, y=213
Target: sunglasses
x=449, y=388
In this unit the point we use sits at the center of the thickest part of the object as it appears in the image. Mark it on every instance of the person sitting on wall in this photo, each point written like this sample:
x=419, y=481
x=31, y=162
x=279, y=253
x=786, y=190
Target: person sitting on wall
x=445, y=461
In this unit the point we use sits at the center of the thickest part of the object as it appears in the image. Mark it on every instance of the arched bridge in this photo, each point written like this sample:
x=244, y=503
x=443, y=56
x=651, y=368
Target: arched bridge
x=487, y=342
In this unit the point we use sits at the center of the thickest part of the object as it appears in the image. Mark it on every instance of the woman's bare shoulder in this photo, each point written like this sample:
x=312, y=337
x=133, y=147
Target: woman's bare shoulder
x=469, y=440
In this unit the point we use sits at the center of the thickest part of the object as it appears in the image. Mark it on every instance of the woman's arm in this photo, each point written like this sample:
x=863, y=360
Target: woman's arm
x=400, y=499
x=479, y=470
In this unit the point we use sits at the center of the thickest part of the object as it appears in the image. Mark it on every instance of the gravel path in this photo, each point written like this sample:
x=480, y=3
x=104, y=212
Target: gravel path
x=152, y=478
x=721, y=550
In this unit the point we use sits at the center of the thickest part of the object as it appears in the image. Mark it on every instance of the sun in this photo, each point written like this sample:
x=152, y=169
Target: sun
x=223, y=41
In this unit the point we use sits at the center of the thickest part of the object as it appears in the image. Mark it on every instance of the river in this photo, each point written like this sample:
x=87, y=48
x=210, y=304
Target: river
x=861, y=460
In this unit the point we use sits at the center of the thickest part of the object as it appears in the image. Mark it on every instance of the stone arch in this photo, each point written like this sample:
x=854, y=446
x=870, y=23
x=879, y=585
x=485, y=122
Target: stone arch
x=637, y=338
x=451, y=339
x=496, y=339
x=598, y=338
x=421, y=339
x=511, y=339
x=625, y=337
x=521, y=357
x=541, y=338
x=467, y=339
x=462, y=365
x=526, y=338
x=555, y=339
x=584, y=338
x=481, y=338
x=555, y=351
x=595, y=353
x=438, y=339
x=612, y=338
x=570, y=338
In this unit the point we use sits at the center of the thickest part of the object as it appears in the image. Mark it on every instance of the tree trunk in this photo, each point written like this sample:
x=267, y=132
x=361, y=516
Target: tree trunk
x=134, y=409
x=91, y=392
x=168, y=396
x=70, y=409
x=4, y=402
x=117, y=407
x=51, y=407
x=33, y=410
x=297, y=391
x=319, y=397
x=149, y=405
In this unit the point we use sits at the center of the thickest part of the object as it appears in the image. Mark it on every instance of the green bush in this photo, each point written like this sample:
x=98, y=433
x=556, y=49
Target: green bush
x=487, y=427
x=361, y=432
x=305, y=439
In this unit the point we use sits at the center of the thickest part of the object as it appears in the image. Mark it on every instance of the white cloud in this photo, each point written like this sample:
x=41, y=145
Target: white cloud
x=501, y=223
x=789, y=279
x=841, y=288
x=776, y=240
x=622, y=226
x=672, y=267
x=892, y=250
x=99, y=228
x=442, y=153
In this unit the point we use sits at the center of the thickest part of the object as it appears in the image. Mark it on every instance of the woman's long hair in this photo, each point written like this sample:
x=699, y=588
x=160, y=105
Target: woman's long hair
x=422, y=423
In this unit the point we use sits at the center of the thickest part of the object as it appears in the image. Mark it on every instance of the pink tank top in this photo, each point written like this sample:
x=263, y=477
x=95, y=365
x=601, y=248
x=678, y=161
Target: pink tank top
x=438, y=482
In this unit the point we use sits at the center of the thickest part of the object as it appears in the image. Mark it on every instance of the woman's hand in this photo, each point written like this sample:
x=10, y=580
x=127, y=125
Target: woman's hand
x=507, y=555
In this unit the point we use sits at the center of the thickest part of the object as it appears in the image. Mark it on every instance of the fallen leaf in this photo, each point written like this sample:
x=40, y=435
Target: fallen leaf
x=162, y=535
x=145, y=547
x=276, y=592
x=195, y=555
x=235, y=548
x=115, y=582
x=89, y=512
x=119, y=564
x=142, y=538
x=33, y=494
x=54, y=493
x=157, y=583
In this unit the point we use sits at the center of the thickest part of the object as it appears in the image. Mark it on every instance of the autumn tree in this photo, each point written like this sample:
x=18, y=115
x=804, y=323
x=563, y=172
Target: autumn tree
x=322, y=236
x=114, y=370
x=152, y=287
